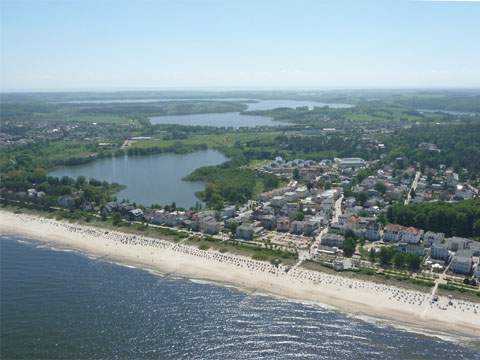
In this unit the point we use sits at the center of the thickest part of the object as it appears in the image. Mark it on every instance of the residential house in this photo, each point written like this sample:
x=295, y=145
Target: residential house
x=296, y=227
x=244, y=232
x=392, y=232
x=332, y=240
x=439, y=251
x=431, y=237
x=283, y=224
x=411, y=235
x=462, y=263
x=372, y=231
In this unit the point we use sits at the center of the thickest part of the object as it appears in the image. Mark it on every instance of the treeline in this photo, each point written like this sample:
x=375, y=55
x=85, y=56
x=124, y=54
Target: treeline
x=177, y=148
x=460, y=219
x=459, y=145
x=452, y=102
x=340, y=145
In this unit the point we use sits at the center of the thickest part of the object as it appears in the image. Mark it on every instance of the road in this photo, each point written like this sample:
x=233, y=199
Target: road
x=413, y=187
x=337, y=211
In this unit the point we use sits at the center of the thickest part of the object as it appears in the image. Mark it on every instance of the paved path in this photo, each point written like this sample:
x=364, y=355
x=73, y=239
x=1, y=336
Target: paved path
x=413, y=187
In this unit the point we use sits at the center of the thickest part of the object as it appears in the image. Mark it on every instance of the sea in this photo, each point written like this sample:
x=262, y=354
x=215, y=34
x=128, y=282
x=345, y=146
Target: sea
x=60, y=304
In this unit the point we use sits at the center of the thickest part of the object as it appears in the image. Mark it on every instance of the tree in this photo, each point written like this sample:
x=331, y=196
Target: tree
x=299, y=216
x=380, y=187
x=386, y=255
x=372, y=255
x=296, y=174
x=361, y=197
x=117, y=220
x=349, y=246
x=413, y=262
x=399, y=260
x=233, y=227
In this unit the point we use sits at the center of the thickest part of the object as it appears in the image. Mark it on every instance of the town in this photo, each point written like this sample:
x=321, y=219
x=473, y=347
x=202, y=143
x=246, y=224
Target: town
x=325, y=214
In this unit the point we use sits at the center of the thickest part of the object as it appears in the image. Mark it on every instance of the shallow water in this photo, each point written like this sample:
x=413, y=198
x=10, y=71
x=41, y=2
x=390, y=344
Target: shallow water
x=59, y=304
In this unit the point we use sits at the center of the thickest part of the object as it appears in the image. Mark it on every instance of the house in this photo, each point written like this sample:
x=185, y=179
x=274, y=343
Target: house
x=66, y=201
x=268, y=222
x=208, y=225
x=296, y=227
x=372, y=231
x=311, y=225
x=228, y=212
x=462, y=263
x=283, y=224
x=431, y=237
x=411, y=235
x=439, y=251
x=135, y=215
x=413, y=249
x=392, y=232
x=244, y=232
x=350, y=163
x=332, y=240
x=456, y=243
x=32, y=193
x=341, y=264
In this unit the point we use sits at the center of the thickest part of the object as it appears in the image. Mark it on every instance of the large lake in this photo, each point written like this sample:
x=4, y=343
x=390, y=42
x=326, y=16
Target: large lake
x=58, y=305
x=149, y=179
x=235, y=119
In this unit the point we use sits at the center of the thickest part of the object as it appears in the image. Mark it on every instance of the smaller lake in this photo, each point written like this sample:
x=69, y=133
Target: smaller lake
x=275, y=104
x=235, y=119
x=149, y=179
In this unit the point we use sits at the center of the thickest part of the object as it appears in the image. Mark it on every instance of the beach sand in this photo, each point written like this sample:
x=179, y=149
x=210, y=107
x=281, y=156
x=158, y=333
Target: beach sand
x=408, y=308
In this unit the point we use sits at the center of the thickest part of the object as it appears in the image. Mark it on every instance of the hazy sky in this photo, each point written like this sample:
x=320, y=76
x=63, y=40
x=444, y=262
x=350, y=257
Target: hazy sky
x=239, y=44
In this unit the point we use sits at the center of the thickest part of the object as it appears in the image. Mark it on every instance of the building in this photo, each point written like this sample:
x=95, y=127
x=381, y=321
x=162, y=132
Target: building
x=228, y=212
x=311, y=225
x=456, y=243
x=244, y=232
x=341, y=264
x=411, y=235
x=372, y=231
x=431, y=237
x=297, y=227
x=462, y=264
x=135, y=215
x=439, y=251
x=268, y=222
x=66, y=201
x=283, y=224
x=32, y=193
x=392, y=232
x=208, y=225
x=350, y=163
x=413, y=249
x=332, y=240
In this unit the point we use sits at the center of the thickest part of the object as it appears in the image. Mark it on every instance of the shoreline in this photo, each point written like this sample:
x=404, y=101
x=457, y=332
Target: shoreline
x=358, y=298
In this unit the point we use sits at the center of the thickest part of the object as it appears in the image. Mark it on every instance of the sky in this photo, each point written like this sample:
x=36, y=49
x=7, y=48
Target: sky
x=213, y=44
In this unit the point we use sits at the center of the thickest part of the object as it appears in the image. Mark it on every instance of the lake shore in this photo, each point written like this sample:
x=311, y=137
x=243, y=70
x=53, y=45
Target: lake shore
x=361, y=298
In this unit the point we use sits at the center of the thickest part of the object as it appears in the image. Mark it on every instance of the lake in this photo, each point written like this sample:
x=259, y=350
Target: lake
x=149, y=179
x=231, y=119
x=235, y=119
x=61, y=305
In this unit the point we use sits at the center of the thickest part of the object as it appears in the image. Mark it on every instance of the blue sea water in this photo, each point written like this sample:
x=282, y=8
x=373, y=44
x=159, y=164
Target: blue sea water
x=63, y=305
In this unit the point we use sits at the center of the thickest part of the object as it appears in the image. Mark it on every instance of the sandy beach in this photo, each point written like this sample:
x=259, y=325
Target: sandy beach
x=391, y=304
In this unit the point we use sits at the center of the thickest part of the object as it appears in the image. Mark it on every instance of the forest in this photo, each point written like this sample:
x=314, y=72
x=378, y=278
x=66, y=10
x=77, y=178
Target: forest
x=459, y=219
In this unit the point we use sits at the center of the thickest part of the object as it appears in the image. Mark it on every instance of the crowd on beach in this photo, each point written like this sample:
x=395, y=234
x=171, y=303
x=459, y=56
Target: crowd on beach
x=307, y=277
